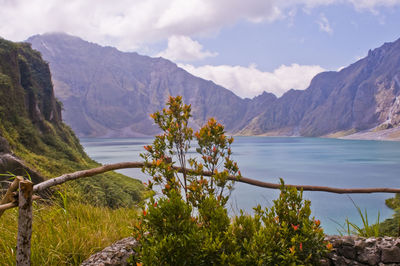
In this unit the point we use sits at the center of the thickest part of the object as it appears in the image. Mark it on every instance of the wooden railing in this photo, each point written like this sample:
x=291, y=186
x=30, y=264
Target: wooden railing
x=21, y=193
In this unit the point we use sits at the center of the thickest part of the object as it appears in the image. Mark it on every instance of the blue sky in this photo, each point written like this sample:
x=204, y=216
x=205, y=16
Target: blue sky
x=300, y=39
x=246, y=46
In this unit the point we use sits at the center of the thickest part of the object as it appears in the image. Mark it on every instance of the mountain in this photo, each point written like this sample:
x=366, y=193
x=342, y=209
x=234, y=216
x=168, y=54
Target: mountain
x=34, y=140
x=362, y=97
x=108, y=93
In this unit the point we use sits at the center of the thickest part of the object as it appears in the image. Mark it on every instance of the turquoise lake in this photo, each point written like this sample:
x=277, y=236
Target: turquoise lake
x=303, y=161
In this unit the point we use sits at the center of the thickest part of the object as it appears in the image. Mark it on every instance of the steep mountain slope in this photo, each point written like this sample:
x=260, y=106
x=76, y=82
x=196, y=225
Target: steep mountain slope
x=363, y=96
x=33, y=137
x=106, y=92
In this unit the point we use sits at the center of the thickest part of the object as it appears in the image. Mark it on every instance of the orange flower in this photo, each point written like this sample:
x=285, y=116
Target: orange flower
x=329, y=246
x=155, y=204
x=295, y=227
x=317, y=222
x=139, y=264
x=301, y=246
x=144, y=212
x=291, y=249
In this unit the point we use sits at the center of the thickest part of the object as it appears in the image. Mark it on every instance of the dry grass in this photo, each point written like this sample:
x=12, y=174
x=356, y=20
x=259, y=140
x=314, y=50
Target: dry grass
x=66, y=233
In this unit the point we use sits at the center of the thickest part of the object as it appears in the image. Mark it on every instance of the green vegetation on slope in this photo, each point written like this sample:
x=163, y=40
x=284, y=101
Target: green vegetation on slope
x=30, y=120
x=98, y=211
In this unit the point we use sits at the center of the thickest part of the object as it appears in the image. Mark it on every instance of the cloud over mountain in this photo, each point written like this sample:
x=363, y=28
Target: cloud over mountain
x=128, y=24
x=184, y=49
x=250, y=81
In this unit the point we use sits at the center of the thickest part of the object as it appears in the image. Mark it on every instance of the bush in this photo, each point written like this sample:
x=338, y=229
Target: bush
x=189, y=224
x=281, y=235
x=391, y=226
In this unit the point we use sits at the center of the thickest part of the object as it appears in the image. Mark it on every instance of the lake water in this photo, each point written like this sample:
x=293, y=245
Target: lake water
x=303, y=161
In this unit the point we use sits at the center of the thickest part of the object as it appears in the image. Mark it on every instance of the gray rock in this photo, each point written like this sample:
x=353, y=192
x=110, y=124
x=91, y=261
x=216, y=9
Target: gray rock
x=348, y=252
x=391, y=254
x=116, y=254
x=4, y=146
x=366, y=251
x=369, y=256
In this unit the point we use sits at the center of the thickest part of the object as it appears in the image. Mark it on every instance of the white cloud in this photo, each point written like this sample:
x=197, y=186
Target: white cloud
x=250, y=81
x=373, y=4
x=324, y=24
x=184, y=49
x=129, y=24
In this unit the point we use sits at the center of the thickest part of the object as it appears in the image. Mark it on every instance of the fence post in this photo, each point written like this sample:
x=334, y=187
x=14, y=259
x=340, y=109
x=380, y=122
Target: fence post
x=24, y=223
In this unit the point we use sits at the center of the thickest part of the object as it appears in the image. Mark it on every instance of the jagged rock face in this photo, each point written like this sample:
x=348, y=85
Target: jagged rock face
x=27, y=103
x=25, y=86
x=362, y=96
x=35, y=143
x=106, y=92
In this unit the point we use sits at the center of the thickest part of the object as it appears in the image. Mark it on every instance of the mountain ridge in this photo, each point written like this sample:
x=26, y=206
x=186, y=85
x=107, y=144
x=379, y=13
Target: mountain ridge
x=360, y=97
x=100, y=89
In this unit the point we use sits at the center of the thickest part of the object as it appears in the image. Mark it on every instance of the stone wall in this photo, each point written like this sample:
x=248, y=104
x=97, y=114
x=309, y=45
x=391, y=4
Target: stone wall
x=353, y=250
x=347, y=250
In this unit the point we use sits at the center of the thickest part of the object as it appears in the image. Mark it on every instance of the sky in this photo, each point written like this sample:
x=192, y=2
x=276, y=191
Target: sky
x=246, y=46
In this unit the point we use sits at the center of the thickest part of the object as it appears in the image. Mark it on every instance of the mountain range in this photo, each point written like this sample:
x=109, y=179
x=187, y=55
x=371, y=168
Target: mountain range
x=109, y=93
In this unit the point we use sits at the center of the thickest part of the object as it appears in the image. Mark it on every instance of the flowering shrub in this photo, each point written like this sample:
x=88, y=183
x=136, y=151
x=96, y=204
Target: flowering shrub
x=172, y=146
x=281, y=235
x=189, y=224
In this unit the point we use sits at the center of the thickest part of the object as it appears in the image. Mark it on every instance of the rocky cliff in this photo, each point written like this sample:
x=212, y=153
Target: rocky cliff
x=33, y=139
x=364, y=96
x=28, y=108
x=106, y=92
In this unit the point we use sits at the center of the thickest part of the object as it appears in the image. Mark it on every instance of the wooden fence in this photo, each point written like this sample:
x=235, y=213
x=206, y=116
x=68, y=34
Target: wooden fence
x=21, y=194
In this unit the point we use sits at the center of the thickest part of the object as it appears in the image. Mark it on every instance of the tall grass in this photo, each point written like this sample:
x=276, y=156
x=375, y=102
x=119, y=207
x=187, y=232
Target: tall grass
x=66, y=233
x=366, y=230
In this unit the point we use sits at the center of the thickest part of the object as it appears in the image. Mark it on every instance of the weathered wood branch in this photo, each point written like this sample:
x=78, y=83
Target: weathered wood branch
x=7, y=206
x=24, y=223
x=84, y=173
x=263, y=184
x=109, y=167
x=320, y=188
x=14, y=204
x=8, y=197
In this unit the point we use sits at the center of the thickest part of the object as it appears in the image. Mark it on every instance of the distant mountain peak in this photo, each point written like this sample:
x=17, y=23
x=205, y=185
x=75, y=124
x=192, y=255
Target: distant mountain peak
x=107, y=92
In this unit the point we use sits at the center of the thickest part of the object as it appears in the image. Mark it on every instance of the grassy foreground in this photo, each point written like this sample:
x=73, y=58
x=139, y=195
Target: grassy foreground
x=66, y=232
